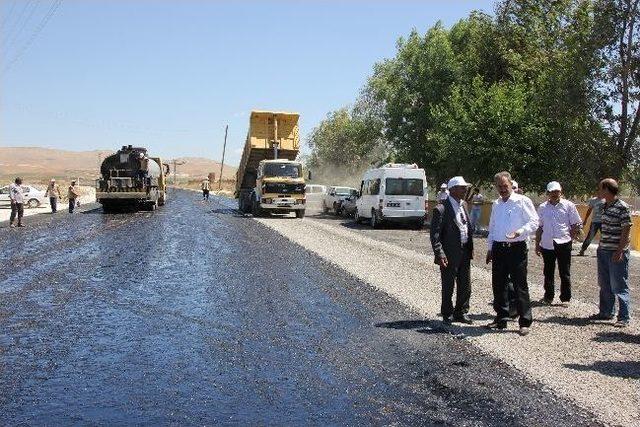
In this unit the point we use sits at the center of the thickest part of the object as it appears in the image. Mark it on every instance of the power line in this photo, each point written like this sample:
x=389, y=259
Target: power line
x=16, y=23
x=52, y=10
x=7, y=17
x=16, y=36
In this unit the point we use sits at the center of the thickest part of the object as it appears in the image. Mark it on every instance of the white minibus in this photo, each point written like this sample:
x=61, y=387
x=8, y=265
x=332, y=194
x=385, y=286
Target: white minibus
x=395, y=192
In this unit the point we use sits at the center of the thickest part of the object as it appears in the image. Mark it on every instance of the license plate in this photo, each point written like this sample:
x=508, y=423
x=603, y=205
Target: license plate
x=393, y=205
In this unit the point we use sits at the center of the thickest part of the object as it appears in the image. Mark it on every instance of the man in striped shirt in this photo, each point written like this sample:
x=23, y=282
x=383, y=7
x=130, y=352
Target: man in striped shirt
x=613, y=255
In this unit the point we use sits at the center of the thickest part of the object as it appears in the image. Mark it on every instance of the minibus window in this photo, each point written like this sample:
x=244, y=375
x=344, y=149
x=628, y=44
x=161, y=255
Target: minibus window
x=404, y=187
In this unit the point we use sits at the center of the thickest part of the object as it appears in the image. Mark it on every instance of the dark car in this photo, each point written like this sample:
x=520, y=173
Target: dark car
x=347, y=206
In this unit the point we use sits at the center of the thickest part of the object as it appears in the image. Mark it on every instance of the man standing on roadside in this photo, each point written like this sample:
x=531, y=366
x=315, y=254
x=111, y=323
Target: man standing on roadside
x=513, y=219
x=452, y=243
x=613, y=255
x=443, y=194
x=559, y=224
x=73, y=195
x=477, y=201
x=206, y=187
x=595, y=206
x=17, y=202
x=53, y=191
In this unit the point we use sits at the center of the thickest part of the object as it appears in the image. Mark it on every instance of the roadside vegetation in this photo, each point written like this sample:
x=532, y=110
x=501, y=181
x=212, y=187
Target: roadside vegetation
x=547, y=90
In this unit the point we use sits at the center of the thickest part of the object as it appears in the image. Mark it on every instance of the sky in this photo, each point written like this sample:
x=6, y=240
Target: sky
x=170, y=75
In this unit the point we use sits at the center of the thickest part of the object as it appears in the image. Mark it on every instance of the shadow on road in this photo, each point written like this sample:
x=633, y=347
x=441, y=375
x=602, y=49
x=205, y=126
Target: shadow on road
x=617, y=337
x=630, y=369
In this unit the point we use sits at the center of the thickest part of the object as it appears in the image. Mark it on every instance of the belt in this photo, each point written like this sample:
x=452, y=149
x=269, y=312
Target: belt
x=509, y=244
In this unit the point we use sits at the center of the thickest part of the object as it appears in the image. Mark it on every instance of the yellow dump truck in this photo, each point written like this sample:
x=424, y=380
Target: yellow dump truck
x=269, y=180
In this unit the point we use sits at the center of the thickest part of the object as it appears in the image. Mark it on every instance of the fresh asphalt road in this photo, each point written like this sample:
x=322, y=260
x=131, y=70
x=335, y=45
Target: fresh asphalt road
x=194, y=314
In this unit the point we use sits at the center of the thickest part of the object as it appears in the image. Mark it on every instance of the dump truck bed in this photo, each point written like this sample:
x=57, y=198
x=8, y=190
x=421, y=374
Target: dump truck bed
x=265, y=129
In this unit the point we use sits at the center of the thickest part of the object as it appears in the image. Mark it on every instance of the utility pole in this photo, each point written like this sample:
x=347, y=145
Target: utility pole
x=175, y=169
x=224, y=149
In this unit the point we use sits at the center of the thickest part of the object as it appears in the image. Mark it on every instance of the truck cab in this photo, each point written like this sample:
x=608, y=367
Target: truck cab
x=280, y=187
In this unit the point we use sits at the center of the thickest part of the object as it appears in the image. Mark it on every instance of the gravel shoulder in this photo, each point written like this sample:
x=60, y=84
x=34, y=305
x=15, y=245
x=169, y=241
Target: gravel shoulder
x=592, y=364
x=583, y=269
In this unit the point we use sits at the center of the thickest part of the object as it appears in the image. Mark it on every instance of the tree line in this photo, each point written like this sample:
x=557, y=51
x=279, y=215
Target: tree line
x=544, y=89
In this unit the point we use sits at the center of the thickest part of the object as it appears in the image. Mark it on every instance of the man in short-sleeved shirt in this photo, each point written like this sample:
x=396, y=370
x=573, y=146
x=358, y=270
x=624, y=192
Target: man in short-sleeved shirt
x=595, y=207
x=16, y=197
x=613, y=255
x=559, y=223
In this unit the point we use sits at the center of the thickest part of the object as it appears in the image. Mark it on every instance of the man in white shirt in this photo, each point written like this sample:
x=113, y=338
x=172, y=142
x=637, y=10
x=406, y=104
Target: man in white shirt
x=205, y=186
x=513, y=220
x=17, y=202
x=559, y=224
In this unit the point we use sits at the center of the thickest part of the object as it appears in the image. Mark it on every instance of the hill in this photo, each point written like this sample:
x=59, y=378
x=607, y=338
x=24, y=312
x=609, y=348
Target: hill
x=39, y=164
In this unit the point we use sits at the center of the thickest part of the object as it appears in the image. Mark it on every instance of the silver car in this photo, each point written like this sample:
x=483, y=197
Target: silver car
x=32, y=196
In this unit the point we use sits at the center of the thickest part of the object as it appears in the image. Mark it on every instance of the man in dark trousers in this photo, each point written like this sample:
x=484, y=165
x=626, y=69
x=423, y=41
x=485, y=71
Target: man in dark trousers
x=452, y=243
x=513, y=220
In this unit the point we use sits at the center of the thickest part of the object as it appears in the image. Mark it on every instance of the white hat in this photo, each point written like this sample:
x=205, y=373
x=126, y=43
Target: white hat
x=554, y=186
x=514, y=184
x=443, y=186
x=457, y=181
x=53, y=180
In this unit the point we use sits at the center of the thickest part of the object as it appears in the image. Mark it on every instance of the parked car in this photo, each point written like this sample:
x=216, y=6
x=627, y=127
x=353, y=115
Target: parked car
x=393, y=193
x=314, y=194
x=32, y=196
x=334, y=197
x=348, y=206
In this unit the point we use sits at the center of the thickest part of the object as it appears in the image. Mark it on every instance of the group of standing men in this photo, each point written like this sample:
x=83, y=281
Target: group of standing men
x=16, y=197
x=513, y=221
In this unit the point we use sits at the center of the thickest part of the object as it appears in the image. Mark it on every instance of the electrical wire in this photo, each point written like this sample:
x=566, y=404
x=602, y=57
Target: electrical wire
x=52, y=10
x=16, y=23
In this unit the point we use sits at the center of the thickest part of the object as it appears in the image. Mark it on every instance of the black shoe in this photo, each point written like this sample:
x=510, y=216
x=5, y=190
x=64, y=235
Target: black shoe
x=447, y=320
x=600, y=316
x=463, y=319
x=497, y=324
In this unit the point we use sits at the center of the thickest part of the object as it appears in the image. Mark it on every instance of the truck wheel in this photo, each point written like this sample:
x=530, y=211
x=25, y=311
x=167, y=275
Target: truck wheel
x=300, y=213
x=336, y=210
x=255, y=209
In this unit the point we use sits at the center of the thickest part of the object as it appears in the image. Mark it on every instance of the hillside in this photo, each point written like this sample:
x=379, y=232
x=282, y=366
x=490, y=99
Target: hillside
x=38, y=164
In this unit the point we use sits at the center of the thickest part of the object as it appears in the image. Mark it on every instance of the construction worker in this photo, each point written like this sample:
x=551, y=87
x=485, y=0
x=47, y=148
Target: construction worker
x=17, y=202
x=206, y=186
x=53, y=191
x=73, y=195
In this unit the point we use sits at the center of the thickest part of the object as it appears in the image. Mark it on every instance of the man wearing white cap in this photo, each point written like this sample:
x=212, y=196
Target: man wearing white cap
x=443, y=194
x=53, y=191
x=452, y=243
x=516, y=187
x=559, y=224
x=513, y=219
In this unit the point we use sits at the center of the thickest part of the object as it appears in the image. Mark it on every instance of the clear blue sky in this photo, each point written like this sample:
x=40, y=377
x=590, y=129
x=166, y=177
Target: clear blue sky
x=169, y=75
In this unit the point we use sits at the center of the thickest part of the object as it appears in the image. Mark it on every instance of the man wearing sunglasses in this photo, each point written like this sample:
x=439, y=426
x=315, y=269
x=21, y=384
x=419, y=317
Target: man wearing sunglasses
x=452, y=243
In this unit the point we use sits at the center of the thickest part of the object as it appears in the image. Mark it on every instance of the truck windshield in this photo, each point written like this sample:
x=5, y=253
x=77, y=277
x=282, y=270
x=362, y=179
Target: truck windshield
x=404, y=187
x=282, y=169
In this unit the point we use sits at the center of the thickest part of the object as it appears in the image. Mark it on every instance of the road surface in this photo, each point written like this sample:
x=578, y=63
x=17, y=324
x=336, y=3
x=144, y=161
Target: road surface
x=194, y=314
